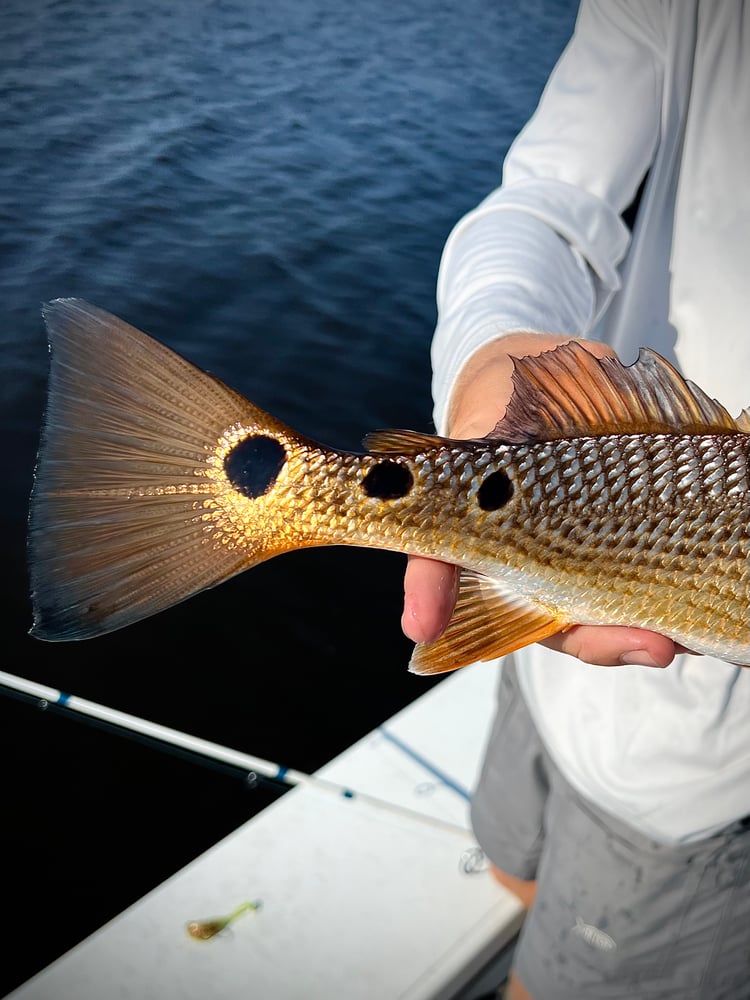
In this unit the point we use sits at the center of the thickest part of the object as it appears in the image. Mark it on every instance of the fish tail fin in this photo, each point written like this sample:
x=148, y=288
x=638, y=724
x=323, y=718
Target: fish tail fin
x=127, y=489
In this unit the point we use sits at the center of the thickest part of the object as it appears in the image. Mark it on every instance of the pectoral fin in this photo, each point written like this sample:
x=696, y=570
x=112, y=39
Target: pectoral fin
x=488, y=621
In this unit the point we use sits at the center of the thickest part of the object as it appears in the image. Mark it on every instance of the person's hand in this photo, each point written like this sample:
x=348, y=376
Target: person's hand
x=430, y=587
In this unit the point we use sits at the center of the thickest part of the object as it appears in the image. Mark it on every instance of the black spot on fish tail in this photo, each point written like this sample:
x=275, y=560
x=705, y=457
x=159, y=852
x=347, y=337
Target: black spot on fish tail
x=495, y=491
x=388, y=481
x=253, y=465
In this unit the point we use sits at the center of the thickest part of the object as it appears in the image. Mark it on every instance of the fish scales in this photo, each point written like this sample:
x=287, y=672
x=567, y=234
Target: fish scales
x=631, y=508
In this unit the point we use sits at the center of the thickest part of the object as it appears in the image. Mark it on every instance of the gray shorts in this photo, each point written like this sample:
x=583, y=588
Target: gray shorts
x=616, y=915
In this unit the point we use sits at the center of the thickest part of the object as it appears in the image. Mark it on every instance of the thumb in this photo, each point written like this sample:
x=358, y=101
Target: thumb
x=430, y=589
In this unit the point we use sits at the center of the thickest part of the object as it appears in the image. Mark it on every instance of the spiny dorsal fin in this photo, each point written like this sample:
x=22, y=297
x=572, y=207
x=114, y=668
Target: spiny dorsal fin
x=487, y=622
x=567, y=392
x=403, y=442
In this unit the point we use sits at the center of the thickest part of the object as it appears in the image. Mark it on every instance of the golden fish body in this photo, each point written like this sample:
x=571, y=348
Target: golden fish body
x=606, y=495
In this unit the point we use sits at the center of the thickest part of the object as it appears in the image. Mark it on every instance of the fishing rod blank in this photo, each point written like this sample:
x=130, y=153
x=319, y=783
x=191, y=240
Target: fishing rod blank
x=215, y=751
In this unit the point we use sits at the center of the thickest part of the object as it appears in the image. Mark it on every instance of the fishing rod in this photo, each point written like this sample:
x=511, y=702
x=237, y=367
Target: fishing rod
x=253, y=766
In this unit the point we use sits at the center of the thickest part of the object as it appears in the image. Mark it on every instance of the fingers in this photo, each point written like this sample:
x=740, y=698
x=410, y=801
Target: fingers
x=430, y=589
x=613, y=645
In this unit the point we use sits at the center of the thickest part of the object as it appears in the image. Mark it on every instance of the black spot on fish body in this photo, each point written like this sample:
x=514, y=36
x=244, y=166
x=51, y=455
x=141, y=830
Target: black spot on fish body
x=495, y=491
x=388, y=481
x=253, y=465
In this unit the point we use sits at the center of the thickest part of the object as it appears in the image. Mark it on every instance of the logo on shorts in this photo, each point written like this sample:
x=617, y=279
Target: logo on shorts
x=594, y=936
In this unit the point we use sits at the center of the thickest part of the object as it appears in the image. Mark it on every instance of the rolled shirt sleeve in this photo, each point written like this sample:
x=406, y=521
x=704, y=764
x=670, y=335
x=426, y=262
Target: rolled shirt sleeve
x=542, y=251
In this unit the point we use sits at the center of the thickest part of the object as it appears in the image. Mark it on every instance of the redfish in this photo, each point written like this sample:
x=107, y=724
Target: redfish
x=606, y=495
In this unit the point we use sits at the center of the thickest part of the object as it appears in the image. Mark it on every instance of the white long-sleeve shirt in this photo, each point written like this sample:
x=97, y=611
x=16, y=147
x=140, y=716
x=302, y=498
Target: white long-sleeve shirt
x=644, y=88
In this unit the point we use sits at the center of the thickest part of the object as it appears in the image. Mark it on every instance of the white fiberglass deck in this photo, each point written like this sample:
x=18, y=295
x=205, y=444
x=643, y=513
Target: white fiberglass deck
x=358, y=900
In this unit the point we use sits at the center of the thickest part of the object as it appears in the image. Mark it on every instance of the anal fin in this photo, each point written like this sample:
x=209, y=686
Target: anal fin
x=488, y=621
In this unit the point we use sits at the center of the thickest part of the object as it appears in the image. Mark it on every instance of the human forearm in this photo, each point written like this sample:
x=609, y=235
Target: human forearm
x=502, y=272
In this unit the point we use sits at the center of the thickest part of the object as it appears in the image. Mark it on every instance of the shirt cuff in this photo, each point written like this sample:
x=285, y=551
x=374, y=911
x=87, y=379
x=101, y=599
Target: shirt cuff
x=500, y=275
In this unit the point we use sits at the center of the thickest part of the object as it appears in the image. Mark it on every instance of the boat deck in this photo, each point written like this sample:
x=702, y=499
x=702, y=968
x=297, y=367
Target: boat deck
x=365, y=884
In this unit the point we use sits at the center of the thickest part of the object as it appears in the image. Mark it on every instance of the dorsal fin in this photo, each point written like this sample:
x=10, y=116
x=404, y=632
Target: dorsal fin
x=567, y=392
x=402, y=442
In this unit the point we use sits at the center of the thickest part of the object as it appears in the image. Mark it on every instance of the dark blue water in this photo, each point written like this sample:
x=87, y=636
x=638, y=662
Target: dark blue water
x=266, y=187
